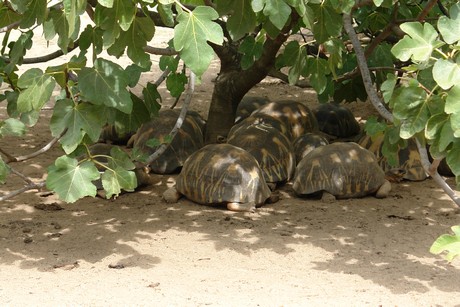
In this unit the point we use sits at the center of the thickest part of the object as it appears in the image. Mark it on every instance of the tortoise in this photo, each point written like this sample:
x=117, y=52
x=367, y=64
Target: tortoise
x=306, y=143
x=261, y=118
x=336, y=120
x=271, y=148
x=112, y=135
x=408, y=159
x=248, y=105
x=297, y=117
x=223, y=173
x=188, y=139
x=345, y=170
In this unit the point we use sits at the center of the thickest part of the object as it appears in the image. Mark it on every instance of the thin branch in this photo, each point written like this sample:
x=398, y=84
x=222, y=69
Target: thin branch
x=160, y=51
x=38, y=152
x=21, y=175
x=283, y=77
x=362, y=64
x=32, y=186
x=188, y=97
x=10, y=26
x=48, y=57
x=426, y=10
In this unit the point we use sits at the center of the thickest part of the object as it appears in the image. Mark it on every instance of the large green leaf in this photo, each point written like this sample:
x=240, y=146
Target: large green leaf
x=295, y=57
x=37, y=89
x=12, y=126
x=7, y=17
x=191, y=35
x=453, y=107
x=329, y=23
x=448, y=243
x=242, y=19
x=446, y=73
x=450, y=26
x=252, y=50
x=113, y=181
x=435, y=124
x=105, y=84
x=411, y=107
x=35, y=13
x=278, y=12
x=135, y=39
x=71, y=180
x=83, y=118
x=418, y=45
x=318, y=70
x=452, y=158
x=73, y=9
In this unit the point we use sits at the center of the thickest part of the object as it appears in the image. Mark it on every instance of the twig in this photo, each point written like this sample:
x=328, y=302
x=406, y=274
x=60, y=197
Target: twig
x=283, y=77
x=377, y=102
x=10, y=26
x=188, y=97
x=362, y=64
x=31, y=186
x=426, y=10
x=36, y=153
x=160, y=51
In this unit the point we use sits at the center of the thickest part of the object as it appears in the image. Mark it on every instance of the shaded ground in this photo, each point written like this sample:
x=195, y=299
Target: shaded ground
x=138, y=250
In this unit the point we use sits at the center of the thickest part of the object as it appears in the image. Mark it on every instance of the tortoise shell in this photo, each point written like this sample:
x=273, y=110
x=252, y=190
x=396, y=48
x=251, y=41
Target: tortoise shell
x=261, y=119
x=336, y=120
x=408, y=159
x=271, y=148
x=222, y=173
x=306, y=143
x=248, y=105
x=188, y=139
x=297, y=117
x=344, y=170
x=111, y=134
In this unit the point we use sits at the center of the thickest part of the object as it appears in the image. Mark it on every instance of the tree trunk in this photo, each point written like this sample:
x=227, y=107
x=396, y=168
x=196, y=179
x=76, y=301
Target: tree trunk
x=233, y=82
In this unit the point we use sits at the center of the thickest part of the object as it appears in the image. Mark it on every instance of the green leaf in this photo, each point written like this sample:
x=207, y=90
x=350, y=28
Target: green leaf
x=452, y=159
x=4, y=171
x=106, y=20
x=152, y=98
x=448, y=243
x=127, y=123
x=373, y=127
x=35, y=13
x=418, y=45
x=12, y=126
x=329, y=23
x=251, y=50
x=242, y=19
x=455, y=123
x=38, y=88
x=83, y=118
x=168, y=62
x=191, y=35
x=335, y=49
x=317, y=68
x=8, y=17
x=450, y=26
x=166, y=14
x=105, y=84
x=453, y=100
x=175, y=83
x=70, y=180
x=388, y=87
x=73, y=9
x=410, y=106
x=278, y=12
x=446, y=73
x=114, y=180
x=434, y=125
x=18, y=50
x=106, y=3
x=135, y=39
x=60, y=72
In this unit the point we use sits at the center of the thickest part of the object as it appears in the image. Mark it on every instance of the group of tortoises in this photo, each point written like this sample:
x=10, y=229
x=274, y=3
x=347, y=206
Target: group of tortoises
x=272, y=143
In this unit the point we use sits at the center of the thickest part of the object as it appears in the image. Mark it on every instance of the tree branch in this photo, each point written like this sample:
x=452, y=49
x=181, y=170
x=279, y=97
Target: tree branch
x=31, y=186
x=426, y=10
x=160, y=51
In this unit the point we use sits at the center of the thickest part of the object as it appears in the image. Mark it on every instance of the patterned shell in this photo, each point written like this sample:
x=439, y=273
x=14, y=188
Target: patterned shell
x=306, y=143
x=408, y=159
x=336, y=120
x=188, y=139
x=296, y=116
x=261, y=119
x=248, y=105
x=110, y=134
x=271, y=148
x=222, y=173
x=343, y=169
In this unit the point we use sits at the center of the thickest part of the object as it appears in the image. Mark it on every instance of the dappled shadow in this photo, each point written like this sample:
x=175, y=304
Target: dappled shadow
x=367, y=237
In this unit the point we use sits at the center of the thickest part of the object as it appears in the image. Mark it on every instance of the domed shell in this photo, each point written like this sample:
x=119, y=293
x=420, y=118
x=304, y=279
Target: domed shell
x=306, y=143
x=222, y=173
x=336, y=120
x=271, y=148
x=248, y=105
x=297, y=117
x=344, y=170
x=188, y=139
x=408, y=158
x=261, y=119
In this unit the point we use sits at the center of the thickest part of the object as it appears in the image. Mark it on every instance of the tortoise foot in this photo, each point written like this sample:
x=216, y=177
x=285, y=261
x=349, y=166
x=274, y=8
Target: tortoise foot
x=239, y=207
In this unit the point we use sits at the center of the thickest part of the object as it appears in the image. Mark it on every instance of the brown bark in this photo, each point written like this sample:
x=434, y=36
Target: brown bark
x=233, y=82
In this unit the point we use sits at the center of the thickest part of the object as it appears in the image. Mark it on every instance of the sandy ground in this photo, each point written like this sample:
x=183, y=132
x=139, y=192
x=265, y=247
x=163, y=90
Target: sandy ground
x=138, y=250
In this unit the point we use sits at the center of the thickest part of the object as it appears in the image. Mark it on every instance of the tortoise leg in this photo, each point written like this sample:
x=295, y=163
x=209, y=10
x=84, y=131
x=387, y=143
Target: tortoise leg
x=239, y=207
x=384, y=190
